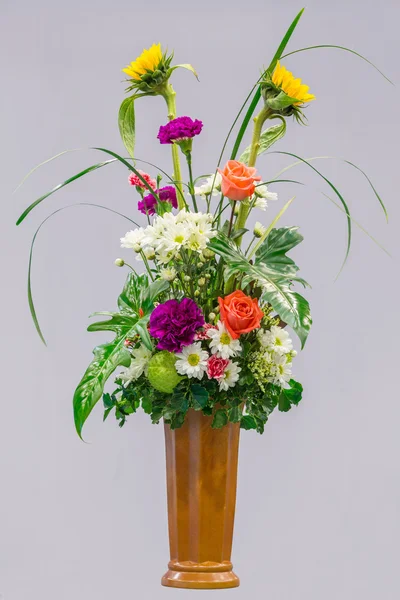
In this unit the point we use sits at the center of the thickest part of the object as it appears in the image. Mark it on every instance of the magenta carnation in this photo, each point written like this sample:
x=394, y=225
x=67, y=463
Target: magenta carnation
x=134, y=180
x=181, y=128
x=175, y=323
x=166, y=194
x=147, y=205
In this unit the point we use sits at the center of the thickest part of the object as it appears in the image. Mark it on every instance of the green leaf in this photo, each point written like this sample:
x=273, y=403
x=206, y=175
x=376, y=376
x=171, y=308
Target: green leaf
x=188, y=67
x=248, y=422
x=147, y=405
x=199, y=395
x=220, y=419
x=272, y=252
x=179, y=401
x=268, y=137
x=290, y=396
x=107, y=412
x=59, y=186
x=107, y=358
x=257, y=94
x=108, y=401
x=275, y=283
x=235, y=414
x=126, y=123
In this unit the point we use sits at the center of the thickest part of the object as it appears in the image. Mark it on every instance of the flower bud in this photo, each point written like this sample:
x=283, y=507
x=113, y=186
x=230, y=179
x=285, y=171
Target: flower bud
x=207, y=275
x=149, y=253
x=187, y=278
x=119, y=262
x=201, y=281
x=137, y=248
x=197, y=293
x=259, y=230
x=168, y=274
x=212, y=316
x=208, y=253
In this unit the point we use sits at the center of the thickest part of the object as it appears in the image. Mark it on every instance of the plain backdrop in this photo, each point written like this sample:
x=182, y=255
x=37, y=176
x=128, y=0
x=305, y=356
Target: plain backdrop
x=319, y=492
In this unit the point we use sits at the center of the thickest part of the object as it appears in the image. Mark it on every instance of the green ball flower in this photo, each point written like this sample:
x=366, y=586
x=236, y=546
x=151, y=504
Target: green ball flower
x=162, y=373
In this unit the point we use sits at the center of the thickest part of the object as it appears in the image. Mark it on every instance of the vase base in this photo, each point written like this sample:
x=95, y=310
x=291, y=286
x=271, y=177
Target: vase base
x=200, y=581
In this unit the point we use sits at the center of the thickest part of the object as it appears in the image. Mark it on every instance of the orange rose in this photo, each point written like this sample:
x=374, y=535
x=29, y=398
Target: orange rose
x=240, y=313
x=238, y=180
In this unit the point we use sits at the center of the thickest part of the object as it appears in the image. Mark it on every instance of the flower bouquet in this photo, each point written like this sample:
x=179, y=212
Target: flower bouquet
x=201, y=332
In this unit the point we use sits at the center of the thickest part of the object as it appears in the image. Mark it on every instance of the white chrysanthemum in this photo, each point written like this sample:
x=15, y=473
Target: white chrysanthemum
x=213, y=182
x=281, y=370
x=133, y=238
x=192, y=361
x=259, y=230
x=262, y=192
x=276, y=340
x=138, y=366
x=175, y=236
x=168, y=274
x=222, y=343
x=230, y=376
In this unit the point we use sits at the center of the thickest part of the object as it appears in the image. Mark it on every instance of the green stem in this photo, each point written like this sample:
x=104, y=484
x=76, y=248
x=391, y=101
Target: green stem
x=146, y=262
x=259, y=121
x=169, y=95
x=191, y=184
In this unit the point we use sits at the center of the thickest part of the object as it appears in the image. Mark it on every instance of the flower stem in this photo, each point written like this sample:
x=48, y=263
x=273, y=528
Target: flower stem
x=191, y=184
x=259, y=121
x=169, y=95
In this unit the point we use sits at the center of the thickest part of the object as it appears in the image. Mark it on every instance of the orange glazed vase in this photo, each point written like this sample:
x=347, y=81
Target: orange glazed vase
x=201, y=490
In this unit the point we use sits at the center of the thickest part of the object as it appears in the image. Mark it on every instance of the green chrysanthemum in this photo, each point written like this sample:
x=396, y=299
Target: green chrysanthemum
x=162, y=373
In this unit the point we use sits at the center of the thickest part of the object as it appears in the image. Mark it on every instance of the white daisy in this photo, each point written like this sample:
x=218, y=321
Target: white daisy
x=262, y=192
x=133, y=238
x=192, y=361
x=175, y=236
x=222, y=343
x=261, y=203
x=281, y=370
x=277, y=339
x=138, y=366
x=214, y=182
x=230, y=376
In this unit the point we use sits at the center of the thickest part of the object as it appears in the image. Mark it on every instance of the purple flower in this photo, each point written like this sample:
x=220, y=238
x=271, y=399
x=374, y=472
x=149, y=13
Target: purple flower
x=175, y=323
x=147, y=205
x=166, y=194
x=178, y=129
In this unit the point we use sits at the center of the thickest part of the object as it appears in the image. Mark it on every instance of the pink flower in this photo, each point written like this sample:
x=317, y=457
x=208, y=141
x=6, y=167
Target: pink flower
x=134, y=180
x=203, y=333
x=216, y=366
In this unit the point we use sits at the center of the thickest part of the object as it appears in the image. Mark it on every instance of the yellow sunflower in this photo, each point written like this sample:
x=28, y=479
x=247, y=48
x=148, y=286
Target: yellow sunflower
x=285, y=80
x=147, y=62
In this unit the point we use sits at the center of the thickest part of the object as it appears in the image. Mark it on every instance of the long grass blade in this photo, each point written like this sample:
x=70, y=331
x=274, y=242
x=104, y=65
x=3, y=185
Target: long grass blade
x=59, y=186
x=257, y=95
x=358, y=225
x=30, y=298
x=339, y=48
x=299, y=162
x=338, y=194
x=42, y=164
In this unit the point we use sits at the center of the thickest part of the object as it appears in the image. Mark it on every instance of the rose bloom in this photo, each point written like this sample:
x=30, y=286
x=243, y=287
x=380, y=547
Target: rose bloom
x=240, y=313
x=238, y=180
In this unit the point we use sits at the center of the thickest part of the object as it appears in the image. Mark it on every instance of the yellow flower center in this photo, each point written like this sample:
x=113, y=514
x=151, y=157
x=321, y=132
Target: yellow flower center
x=193, y=360
x=278, y=342
x=179, y=239
x=225, y=339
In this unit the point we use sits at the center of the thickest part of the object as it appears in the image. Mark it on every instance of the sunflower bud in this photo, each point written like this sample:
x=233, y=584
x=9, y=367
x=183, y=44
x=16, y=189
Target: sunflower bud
x=150, y=72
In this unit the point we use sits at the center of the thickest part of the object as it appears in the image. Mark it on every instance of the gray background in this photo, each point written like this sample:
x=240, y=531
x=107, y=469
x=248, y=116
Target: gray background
x=318, y=497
